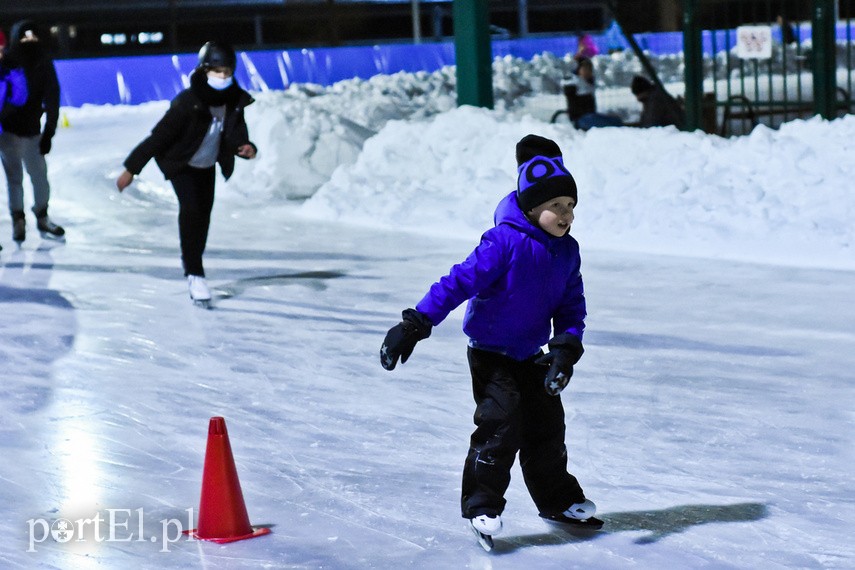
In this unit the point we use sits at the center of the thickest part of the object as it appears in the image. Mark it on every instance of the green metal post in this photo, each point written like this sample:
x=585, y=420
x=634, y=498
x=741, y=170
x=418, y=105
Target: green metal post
x=824, y=59
x=473, y=53
x=694, y=70
x=633, y=45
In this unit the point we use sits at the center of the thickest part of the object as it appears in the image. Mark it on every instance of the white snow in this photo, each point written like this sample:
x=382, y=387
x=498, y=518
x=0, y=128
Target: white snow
x=711, y=418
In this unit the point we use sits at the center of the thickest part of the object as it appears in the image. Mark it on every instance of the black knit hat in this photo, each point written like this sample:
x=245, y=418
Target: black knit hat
x=640, y=84
x=542, y=175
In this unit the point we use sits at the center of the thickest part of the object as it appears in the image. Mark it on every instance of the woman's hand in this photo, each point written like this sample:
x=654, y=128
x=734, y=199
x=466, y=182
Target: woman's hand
x=246, y=151
x=124, y=180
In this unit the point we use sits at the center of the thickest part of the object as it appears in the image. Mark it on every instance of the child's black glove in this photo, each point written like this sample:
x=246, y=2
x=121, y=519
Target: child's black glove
x=565, y=350
x=402, y=338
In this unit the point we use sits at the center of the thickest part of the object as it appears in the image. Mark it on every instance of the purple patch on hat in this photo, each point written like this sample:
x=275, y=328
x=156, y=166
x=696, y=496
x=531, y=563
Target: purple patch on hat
x=543, y=178
x=538, y=169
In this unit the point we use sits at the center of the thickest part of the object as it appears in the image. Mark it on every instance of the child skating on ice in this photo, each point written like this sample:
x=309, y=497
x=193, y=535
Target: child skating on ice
x=522, y=282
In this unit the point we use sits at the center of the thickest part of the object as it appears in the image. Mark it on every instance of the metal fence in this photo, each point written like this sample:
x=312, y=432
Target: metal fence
x=764, y=62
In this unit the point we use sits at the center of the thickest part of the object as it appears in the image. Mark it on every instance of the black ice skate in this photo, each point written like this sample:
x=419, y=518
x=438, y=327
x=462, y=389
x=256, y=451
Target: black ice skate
x=19, y=227
x=49, y=229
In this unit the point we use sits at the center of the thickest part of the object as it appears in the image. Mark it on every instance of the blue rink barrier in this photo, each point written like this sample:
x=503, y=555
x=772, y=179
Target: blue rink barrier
x=140, y=79
x=135, y=80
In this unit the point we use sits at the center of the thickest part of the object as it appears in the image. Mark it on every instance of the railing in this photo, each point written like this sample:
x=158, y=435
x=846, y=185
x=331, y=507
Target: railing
x=809, y=57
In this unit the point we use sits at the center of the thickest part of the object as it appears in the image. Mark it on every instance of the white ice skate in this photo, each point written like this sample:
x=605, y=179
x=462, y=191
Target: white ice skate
x=485, y=528
x=199, y=291
x=581, y=511
x=578, y=515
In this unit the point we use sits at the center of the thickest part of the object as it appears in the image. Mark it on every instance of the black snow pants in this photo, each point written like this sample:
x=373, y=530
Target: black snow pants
x=195, y=190
x=514, y=414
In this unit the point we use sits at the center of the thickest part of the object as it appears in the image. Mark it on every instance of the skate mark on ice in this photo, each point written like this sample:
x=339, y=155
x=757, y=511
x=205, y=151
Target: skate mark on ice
x=39, y=327
x=648, y=341
x=313, y=279
x=271, y=255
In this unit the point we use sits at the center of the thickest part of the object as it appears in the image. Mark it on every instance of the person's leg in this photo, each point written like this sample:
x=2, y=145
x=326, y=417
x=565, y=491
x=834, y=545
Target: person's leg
x=195, y=191
x=207, y=179
x=494, y=443
x=543, y=454
x=36, y=166
x=10, y=154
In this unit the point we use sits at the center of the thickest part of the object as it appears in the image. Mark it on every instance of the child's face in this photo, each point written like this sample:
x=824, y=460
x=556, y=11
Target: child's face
x=555, y=216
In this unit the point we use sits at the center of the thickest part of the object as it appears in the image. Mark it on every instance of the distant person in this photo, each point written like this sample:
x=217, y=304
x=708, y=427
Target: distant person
x=24, y=142
x=580, y=92
x=788, y=32
x=13, y=88
x=204, y=125
x=658, y=107
x=524, y=285
x=586, y=47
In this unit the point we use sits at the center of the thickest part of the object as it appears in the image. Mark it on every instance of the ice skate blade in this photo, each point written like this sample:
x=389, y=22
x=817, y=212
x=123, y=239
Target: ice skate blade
x=52, y=237
x=485, y=540
x=567, y=523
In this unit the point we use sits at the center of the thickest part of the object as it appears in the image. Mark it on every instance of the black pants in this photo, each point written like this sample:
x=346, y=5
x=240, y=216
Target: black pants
x=514, y=414
x=195, y=190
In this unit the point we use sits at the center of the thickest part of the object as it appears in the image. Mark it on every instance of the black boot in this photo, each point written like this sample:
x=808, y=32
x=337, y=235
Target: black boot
x=19, y=226
x=46, y=226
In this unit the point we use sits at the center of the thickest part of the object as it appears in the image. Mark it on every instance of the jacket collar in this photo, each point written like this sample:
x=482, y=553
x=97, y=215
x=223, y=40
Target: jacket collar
x=508, y=212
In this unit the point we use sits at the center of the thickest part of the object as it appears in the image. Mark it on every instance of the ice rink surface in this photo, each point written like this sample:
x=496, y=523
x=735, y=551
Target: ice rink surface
x=711, y=418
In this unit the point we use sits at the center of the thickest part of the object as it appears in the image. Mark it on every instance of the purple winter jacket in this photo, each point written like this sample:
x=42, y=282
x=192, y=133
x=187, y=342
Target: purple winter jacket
x=519, y=281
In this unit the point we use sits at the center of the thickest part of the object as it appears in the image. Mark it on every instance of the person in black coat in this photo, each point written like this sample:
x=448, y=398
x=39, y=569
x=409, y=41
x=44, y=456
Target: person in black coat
x=23, y=142
x=204, y=125
x=658, y=107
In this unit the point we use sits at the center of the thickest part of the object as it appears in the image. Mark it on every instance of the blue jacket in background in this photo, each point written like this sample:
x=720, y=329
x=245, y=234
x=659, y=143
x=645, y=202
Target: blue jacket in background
x=13, y=90
x=520, y=282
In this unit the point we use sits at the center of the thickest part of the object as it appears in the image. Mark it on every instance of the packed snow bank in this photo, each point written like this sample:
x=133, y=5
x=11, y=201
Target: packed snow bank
x=308, y=130
x=774, y=196
x=395, y=152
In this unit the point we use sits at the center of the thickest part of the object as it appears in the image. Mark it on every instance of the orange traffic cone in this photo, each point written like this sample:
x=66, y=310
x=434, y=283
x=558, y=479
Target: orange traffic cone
x=222, y=512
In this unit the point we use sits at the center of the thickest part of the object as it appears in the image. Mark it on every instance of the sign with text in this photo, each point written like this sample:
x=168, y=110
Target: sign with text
x=754, y=42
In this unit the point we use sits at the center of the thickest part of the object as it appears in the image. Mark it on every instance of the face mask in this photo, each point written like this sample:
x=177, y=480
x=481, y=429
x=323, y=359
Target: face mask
x=220, y=83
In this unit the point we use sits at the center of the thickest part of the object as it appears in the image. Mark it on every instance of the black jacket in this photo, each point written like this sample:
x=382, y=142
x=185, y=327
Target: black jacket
x=177, y=136
x=42, y=85
x=659, y=109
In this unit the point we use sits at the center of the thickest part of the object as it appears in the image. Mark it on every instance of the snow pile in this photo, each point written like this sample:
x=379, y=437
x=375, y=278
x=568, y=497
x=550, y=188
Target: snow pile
x=309, y=130
x=317, y=128
x=778, y=196
x=394, y=152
